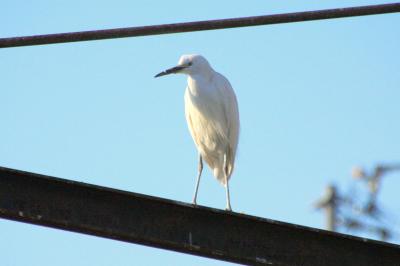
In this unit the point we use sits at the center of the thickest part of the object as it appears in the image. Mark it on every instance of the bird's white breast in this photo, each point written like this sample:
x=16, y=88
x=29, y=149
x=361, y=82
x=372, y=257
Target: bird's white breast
x=202, y=109
x=206, y=120
x=213, y=120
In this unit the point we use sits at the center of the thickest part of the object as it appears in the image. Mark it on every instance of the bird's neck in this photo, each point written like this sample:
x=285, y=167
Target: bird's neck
x=200, y=84
x=202, y=75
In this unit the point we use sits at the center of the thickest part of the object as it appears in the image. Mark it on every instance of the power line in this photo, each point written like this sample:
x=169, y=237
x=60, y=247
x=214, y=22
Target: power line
x=198, y=25
x=167, y=224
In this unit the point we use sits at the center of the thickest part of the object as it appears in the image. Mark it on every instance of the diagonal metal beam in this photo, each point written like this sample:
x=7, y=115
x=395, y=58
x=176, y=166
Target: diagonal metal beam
x=199, y=25
x=157, y=222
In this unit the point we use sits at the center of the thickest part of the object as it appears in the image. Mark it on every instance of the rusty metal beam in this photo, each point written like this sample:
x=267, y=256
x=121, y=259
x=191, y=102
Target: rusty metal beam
x=198, y=25
x=156, y=222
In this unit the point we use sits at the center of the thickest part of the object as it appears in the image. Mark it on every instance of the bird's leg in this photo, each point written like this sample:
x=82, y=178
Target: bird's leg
x=228, y=198
x=198, y=179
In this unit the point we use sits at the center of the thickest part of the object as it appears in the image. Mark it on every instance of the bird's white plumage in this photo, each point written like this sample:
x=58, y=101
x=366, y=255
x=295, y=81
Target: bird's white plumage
x=213, y=119
x=212, y=116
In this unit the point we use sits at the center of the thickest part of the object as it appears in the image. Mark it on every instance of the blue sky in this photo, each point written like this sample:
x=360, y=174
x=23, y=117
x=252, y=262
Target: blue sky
x=315, y=99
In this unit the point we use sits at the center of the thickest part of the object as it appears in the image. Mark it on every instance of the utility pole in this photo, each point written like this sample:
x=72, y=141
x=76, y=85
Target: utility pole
x=345, y=211
x=329, y=203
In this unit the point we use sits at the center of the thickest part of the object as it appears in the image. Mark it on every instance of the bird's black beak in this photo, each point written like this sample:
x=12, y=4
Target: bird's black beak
x=172, y=70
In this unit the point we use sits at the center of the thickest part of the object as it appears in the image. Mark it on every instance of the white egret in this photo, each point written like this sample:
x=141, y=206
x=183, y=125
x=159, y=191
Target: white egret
x=212, y=116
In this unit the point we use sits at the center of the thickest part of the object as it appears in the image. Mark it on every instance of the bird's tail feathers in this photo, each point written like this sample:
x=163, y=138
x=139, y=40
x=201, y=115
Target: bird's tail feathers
x=219, y=171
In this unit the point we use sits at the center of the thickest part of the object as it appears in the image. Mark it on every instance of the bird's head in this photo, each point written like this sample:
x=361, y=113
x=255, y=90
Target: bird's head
x=188, y=64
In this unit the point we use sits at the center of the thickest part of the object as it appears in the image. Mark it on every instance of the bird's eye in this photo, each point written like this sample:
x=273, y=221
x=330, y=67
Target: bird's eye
x=190, y=63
